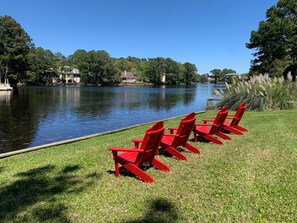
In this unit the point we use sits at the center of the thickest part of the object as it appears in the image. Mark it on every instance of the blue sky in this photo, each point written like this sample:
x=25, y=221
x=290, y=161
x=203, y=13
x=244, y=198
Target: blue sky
x=208, y=33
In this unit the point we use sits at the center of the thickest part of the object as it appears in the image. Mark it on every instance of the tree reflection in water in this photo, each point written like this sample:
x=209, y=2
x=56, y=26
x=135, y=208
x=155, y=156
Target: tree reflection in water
x=34, y=116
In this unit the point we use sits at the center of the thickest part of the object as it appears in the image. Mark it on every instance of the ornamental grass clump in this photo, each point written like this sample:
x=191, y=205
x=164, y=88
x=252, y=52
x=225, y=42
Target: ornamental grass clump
x=261, y=93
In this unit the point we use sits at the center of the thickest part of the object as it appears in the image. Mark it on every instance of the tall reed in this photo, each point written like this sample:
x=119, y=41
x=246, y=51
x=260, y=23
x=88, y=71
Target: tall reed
x=261, y=93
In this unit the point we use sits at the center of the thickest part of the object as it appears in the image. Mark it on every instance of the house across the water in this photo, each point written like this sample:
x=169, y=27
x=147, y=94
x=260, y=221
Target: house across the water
x=128, y=77
x=68, y=75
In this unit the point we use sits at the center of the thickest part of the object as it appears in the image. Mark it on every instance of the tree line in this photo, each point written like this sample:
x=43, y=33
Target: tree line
x=275, y=45
x=21, y=61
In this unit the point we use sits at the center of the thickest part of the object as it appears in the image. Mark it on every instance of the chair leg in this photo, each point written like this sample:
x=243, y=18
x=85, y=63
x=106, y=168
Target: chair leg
x=241, y=128
x=192, y=148
x=175, y=153
x=116, y=167
x=161, y=166
x=140, y=173
x=195, y=136
x=233, y=130
x=213, y=139
x=223, y=136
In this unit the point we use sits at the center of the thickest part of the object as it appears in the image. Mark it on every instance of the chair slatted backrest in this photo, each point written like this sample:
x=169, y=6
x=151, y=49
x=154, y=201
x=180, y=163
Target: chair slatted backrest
x=238, y=115
x=184, y=130
x=151, y=142
x=218, y=122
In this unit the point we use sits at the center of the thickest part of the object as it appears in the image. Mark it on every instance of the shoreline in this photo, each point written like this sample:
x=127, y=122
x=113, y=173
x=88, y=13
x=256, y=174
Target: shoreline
x=67, y=141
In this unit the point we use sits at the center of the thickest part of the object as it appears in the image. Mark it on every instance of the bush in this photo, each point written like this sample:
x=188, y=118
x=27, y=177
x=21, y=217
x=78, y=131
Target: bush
x=261, y=93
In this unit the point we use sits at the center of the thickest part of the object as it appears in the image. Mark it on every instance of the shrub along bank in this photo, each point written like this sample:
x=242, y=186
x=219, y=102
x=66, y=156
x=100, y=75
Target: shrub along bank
x=262, y=93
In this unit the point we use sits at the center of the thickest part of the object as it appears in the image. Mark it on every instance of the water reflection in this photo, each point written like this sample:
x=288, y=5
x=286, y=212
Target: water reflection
x=18, y=124
x=5, y=97
x=38, y=115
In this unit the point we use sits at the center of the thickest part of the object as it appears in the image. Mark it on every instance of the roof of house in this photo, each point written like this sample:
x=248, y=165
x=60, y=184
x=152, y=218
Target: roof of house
x=128, y=75
x=231, y=74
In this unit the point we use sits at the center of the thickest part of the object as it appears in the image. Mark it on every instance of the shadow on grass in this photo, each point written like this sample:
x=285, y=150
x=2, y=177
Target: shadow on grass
x=1, y=168
x=33, y=197
x=163, y=152
x=159, y=211
x=126, y=173
x=203, y=140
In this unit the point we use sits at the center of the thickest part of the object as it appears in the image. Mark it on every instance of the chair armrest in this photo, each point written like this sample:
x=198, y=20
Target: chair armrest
x=118, y=149
x=207, y=120
x=172, y=130
x=136, y=143
x=205, y=125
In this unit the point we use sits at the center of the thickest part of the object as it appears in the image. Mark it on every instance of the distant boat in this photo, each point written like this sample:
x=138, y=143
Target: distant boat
x=5, y=86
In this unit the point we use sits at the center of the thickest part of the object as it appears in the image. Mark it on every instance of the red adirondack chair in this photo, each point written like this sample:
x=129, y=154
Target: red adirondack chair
x=170, y=142
x=207, y=131
x=234, y=126
x=133, y=158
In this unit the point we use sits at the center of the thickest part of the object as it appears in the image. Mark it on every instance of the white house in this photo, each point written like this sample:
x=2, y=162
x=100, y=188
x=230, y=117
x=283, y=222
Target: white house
x=68, y=75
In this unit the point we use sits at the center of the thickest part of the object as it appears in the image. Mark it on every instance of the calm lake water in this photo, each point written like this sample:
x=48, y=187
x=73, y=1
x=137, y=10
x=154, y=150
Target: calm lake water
x=39, y=115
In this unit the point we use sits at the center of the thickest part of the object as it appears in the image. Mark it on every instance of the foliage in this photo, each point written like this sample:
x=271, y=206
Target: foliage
x=248, y=179
x=276, y=38
x=261, y=93
x=156, y=69
x=39, y=66
x=227, y=71
x=96, y=67
x=220, y=75
x=42, y=66
x=176, y=73
x=216, y=73
x=203, y=78
x=190, y=73
x=15, y=45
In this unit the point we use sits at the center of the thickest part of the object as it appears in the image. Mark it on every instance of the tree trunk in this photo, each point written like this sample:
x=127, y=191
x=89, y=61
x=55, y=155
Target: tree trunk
x=6, y=73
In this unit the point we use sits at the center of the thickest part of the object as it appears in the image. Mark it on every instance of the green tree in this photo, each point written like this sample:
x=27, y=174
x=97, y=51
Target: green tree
x=15, y=46
x=96, y=67
x=276, y=37
x=190, y=73
x=227, y=71
x=80, y=60
x=42, y=66
x=143, y=71
x=203, y=78
x=174, y=72
x=224, y=77
x=216, y=73
x=122, y=64
x=61, y=60
x=155, y=68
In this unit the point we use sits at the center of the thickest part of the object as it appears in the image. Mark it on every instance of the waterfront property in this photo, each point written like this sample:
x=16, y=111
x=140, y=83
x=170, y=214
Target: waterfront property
x=67, y=75
x=128, y=77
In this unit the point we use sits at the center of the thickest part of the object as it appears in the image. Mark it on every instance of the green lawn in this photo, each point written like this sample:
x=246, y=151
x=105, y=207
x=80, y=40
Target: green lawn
x=249, y=179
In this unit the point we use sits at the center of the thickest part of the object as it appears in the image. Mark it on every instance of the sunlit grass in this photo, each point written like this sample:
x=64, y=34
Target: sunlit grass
x=249, y=179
